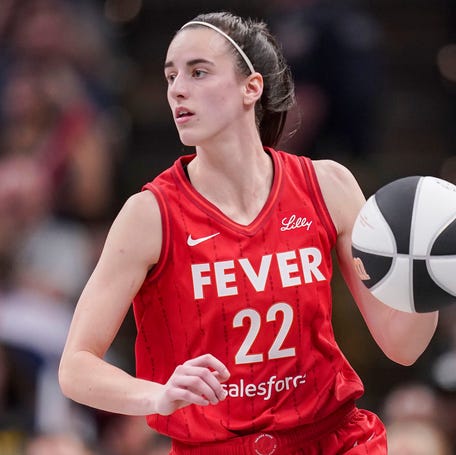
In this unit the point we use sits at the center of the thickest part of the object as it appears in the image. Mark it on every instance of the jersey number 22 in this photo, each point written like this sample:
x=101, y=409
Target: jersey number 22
x=277, y=351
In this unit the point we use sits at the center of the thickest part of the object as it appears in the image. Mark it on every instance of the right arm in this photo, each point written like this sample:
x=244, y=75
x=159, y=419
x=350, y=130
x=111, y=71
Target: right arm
x=132, y=247
x=402, y=336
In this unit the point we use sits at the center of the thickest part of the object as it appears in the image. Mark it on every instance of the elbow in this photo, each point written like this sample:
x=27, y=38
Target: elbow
x=407, y=336
x=405, y=357
x=405, y=361
x=400, y=350
x=64, y=378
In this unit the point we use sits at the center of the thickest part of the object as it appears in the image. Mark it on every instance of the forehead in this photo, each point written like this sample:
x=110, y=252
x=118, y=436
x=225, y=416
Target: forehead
x=198, y=42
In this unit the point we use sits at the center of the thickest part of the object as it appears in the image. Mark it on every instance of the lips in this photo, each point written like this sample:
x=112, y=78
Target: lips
x=182, y=113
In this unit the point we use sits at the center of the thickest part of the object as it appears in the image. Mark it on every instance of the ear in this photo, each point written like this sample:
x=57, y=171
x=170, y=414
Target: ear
x=253, y=88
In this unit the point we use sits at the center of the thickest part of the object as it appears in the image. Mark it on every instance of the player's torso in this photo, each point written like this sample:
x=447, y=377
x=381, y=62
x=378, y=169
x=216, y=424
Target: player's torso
x=257, y=297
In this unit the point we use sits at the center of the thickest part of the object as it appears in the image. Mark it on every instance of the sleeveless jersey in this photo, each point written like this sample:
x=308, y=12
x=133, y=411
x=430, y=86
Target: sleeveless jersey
x=257, y=297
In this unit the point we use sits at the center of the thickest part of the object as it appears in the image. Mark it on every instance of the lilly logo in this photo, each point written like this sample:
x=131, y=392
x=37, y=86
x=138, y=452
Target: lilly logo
x=295, y=222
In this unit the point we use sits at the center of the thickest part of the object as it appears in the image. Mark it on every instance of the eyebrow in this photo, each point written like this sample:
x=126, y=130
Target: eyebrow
x=195, y=61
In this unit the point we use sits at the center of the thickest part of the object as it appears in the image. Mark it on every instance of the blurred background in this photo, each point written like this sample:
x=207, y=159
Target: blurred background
x=84, y=123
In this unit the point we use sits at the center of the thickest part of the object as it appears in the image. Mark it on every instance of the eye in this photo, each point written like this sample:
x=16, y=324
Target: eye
x=170, y=77
x=198, y=73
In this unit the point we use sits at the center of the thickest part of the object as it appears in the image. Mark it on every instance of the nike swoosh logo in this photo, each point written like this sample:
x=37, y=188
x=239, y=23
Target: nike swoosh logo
x=193, y=242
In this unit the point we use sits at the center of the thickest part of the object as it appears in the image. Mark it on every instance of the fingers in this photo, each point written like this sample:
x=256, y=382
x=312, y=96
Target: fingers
x=184, y=397
x=203, y=375
x=175, y=397
x=200, y=381
x=197, y=381
x=209, y=361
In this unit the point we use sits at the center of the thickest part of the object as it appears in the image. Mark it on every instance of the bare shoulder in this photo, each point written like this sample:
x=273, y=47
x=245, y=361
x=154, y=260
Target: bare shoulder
x=341, y=192
x=333, y=173
x=142, y=207
x=138, y=227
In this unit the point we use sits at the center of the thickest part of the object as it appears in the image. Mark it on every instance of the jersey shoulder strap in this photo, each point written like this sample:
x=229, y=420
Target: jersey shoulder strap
x=316, y=195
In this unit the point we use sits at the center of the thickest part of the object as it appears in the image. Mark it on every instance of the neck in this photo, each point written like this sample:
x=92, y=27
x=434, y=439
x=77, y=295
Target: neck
x=237, y=180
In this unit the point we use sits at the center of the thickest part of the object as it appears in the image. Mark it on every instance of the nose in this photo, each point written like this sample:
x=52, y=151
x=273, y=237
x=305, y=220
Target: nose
x=179, y=87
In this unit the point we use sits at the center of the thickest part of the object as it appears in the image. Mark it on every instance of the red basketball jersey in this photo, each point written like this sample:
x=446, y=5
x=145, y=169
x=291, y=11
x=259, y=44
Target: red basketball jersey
x=257, y=297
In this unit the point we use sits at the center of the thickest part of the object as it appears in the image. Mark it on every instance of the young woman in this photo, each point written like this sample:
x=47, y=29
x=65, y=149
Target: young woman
x=227, y=259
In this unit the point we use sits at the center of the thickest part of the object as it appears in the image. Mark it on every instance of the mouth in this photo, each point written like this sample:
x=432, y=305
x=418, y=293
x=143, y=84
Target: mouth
x=182, y=113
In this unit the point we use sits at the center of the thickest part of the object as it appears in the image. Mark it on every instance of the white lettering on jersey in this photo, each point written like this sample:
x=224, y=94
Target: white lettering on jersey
x=310, y=266
x=264, y=389
x=294, y=268
x=258, y=280
x=223, y=278
x=286, y=268
x=199, y=280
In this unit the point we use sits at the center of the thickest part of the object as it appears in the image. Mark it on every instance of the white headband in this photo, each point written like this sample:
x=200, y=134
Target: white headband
x=231, y=40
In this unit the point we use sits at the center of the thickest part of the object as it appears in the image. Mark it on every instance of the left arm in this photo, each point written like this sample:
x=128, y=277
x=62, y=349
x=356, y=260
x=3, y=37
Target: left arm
x=402, y=336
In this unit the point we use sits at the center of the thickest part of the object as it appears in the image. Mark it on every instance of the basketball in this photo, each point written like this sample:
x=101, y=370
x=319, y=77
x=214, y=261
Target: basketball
x=404, y=244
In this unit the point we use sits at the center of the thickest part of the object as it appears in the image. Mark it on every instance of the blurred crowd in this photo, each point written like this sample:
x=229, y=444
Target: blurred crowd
x=82, y=126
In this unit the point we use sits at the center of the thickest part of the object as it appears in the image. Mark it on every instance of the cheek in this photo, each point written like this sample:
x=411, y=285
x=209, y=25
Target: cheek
x=169, y=98
x=226, y=99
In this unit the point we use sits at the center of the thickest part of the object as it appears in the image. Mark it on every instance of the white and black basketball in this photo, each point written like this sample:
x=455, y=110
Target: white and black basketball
x=404, y=244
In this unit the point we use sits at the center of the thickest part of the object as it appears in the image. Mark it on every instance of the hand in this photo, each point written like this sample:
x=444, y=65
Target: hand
x=197, y=381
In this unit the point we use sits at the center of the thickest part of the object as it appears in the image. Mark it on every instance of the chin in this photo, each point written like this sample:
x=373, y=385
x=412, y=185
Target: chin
x=188, y=143
x=189, y=140
x=192, y=138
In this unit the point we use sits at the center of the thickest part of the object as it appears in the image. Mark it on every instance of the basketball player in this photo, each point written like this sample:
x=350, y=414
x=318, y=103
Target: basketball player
x=227, y=258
